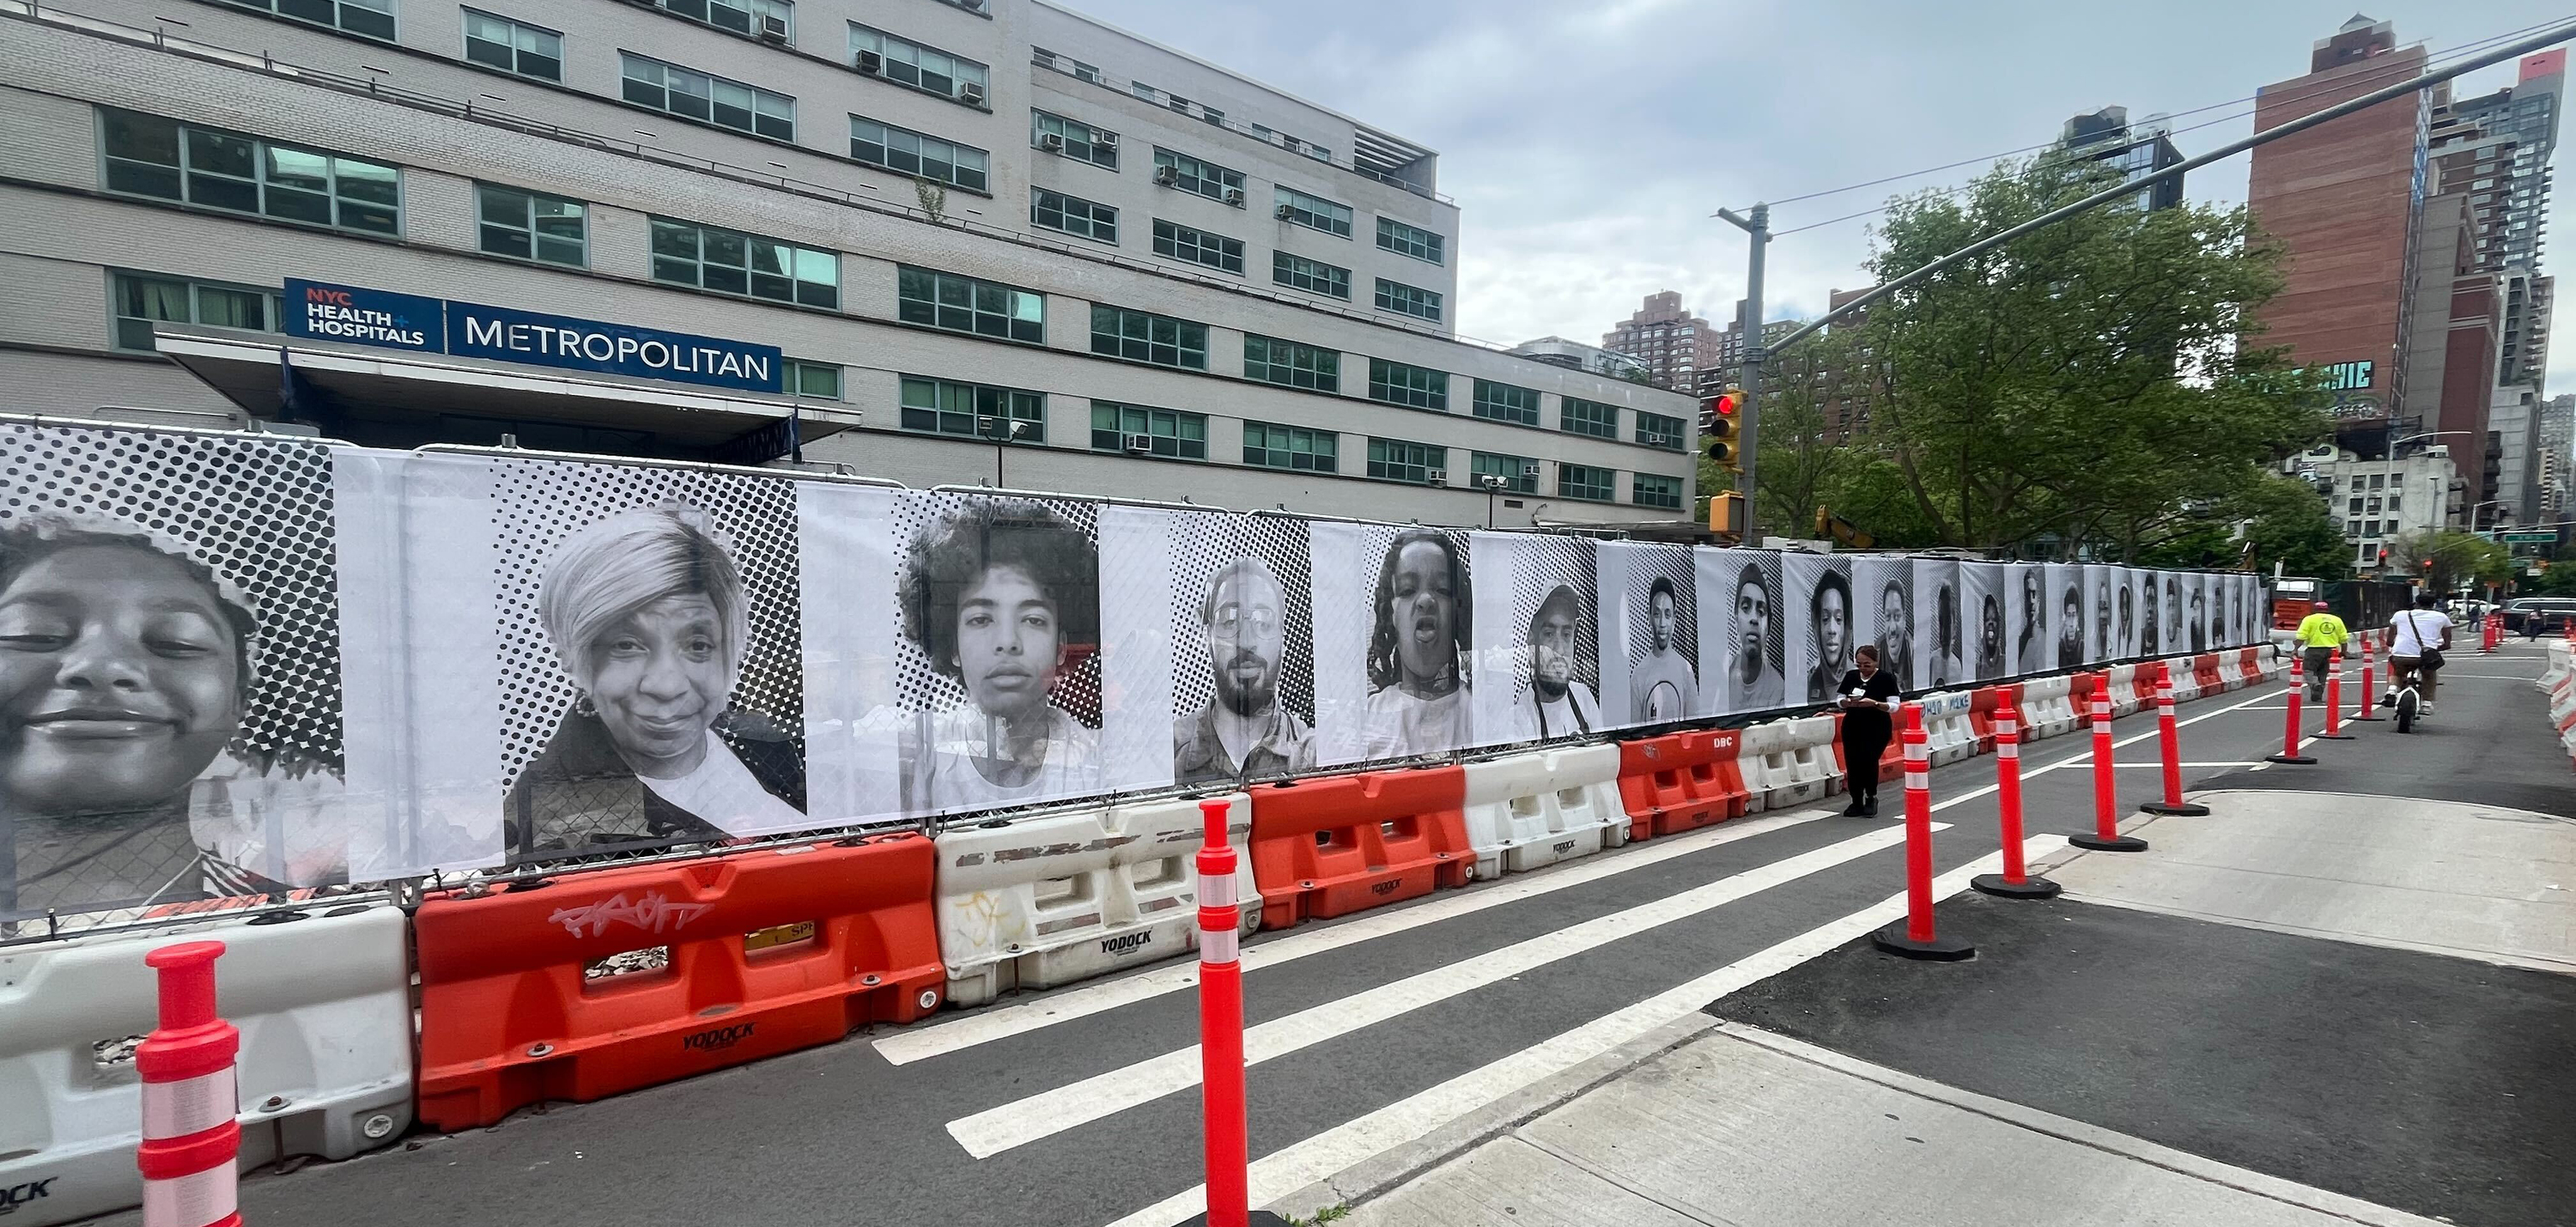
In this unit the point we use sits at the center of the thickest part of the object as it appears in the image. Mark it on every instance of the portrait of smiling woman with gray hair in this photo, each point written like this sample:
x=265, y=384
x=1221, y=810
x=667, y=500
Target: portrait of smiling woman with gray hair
x=647, y=613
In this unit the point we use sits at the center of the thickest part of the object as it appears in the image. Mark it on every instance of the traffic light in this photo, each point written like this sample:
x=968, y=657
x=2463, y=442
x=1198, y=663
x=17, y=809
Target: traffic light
x=1726, y=514
x=1721, y=425
x=2428, y=566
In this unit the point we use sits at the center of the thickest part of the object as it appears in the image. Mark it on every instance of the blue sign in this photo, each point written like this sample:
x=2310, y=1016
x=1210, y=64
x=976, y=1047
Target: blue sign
x=326, y=312
x=364, y=317
x=615, y=349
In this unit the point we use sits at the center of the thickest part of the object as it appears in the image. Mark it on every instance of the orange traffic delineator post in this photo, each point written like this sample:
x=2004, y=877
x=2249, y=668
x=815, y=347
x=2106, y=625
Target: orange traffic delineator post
x=2290, y=738
x=2016, y=881
x=2169, y=746
x=1224, y=1109
x=2366, y=710
x=2333, y=731
x=2106, y=836
x=191, y=1104
x=1913, y=937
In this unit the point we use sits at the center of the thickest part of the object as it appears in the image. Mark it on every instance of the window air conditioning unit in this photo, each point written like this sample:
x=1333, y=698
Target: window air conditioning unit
x=1284, y=212
x=1141, y=445
x=1530, y=469
x=870, y=62
x=1168, y=176
x=1234, y=196
x=1490, y=481
x=972, y=94
x=1051, y=143
x=773, y=29
x=1106, y=140
x=1437, y=477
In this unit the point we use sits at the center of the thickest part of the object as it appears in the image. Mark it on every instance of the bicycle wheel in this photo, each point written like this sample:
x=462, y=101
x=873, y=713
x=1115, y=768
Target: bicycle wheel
x=2406, y=704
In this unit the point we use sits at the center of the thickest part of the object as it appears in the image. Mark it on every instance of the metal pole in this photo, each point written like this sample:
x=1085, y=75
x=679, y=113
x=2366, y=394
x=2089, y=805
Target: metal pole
x=1757, y=230
x=2129, y=189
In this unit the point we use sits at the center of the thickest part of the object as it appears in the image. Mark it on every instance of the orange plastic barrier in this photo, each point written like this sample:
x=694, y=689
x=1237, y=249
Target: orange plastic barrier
x=2249, y=665
x=1981, y=713
x=1332, y=846
x=2205, y=668
x=1681, y=782
x=768, y=952
x=2081, y=688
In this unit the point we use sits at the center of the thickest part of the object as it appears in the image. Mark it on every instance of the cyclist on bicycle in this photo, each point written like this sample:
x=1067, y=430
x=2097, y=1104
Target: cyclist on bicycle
x=2416, y=639
x=2320, y=635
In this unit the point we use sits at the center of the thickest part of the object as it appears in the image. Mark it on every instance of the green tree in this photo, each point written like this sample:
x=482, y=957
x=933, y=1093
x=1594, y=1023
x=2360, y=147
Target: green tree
x=2456, y=558
x=2085, y=382
x=2281, y=516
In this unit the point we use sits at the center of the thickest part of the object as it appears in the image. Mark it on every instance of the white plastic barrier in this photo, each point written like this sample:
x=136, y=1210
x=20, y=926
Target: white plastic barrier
x=1799, y=765
x=1947, y=731
x=2558, y=666
x=322, y=996
x=1752, y=762
x=2046, y=708
x=2562, y=705
x=2186, y=683
x=2125, y=696
x=1049, y=900
x=1539, y=808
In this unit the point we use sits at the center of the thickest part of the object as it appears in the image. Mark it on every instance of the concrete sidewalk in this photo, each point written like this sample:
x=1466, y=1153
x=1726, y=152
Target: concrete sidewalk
x=2301, y=992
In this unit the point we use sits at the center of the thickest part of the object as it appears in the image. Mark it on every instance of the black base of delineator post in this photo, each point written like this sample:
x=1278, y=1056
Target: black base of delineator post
x=2333, y=736
x=2116, y=843
x=2295, y=760
x=1893, y=940
x=1260, y=1218
x=2031, y=886
x=2188, y=809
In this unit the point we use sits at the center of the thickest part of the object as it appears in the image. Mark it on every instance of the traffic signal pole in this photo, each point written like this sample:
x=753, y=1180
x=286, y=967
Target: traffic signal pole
x=1757, y=228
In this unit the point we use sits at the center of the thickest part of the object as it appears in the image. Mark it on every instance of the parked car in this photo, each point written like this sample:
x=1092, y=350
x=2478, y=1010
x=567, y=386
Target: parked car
x=2554, y=612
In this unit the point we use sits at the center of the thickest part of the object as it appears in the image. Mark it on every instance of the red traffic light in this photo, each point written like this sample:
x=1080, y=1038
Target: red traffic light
x=1724, y=404
x=2428, y=564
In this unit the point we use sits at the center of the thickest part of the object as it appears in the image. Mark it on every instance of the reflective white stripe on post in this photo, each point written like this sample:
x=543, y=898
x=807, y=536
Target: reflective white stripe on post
x=207, y=1197
x=1218, y=946
x=1917, y=781
x=178, y=1109
x=1217, y=890
x=2008, y=749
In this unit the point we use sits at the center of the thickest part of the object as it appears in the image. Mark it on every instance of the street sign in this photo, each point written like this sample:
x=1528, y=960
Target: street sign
x=2517, y=538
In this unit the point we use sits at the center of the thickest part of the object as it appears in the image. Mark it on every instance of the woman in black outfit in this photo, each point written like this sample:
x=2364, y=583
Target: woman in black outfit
x=1867, y=694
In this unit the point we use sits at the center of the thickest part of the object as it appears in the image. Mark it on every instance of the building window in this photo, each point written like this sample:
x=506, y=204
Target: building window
x=1397, y=460
x=974, y=411
x=2378, y=481
x=1511, y=474
x=1198, y=246
x=813, y=380
x=513, y=46
x=1313, y=212
x=2355, y=507
x=1141, y=336
x=151, y=156
x=1587, y=482
x=752, y=17
x=906, y=152
x=1415, y=387
x=2392, y=502
x=967, y=304
x=1158, y=432
x=731, y=262
x=1651, y=490
x=1291, y=447
x=1189, y=174
x=1271, y=360
x=1073, y=139
x=694, y=95
x=1505, y=402
x=530, y=225
x=372, y=18
x=908, y=63
x=138, y=301
x=1061, y=63
x=1312, y=276
x=1407, y=300
x=1414, y=241
x=1656, y=430
x=1073, y=215
x=1588, y=417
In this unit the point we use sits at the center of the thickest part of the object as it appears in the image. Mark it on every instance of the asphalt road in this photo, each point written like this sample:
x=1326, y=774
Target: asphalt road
x=1079, y=1107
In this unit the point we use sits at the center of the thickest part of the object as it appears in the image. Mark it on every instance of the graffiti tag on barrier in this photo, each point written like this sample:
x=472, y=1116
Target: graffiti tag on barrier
x=652, y=913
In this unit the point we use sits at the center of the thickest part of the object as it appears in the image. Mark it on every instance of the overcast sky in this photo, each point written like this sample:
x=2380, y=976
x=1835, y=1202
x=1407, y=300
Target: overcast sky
x=1586, y=145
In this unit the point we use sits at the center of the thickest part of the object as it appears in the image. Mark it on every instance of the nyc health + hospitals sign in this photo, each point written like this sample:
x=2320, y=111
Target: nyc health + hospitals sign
x=324, y=312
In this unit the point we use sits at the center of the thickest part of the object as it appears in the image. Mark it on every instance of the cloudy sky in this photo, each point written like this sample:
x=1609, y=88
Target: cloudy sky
x=1588, y=144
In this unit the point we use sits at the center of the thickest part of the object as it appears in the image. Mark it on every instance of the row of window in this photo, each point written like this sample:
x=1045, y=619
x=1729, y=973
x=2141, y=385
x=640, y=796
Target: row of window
x=1090, y=219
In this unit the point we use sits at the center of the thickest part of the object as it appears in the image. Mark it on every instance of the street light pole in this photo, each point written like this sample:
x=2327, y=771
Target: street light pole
x=1757, y=229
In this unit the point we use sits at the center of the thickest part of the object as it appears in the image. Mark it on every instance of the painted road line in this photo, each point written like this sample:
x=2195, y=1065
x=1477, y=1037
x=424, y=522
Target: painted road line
x=1284, y=1171
x=923, y=1043
x=1048, y=1113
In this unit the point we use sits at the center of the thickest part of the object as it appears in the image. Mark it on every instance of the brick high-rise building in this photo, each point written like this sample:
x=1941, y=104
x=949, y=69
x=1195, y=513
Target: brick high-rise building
x=1674, y=344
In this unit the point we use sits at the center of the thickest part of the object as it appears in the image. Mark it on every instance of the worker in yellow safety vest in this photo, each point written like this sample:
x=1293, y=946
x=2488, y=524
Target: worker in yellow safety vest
x=2321, y=635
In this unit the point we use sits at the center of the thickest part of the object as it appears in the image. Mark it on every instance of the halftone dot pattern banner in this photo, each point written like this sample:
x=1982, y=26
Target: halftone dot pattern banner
x=537, y=503
x=1543, y=564
x=922, y=688
x=254, y=511
x=1203, y=542
x=1673, y=565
